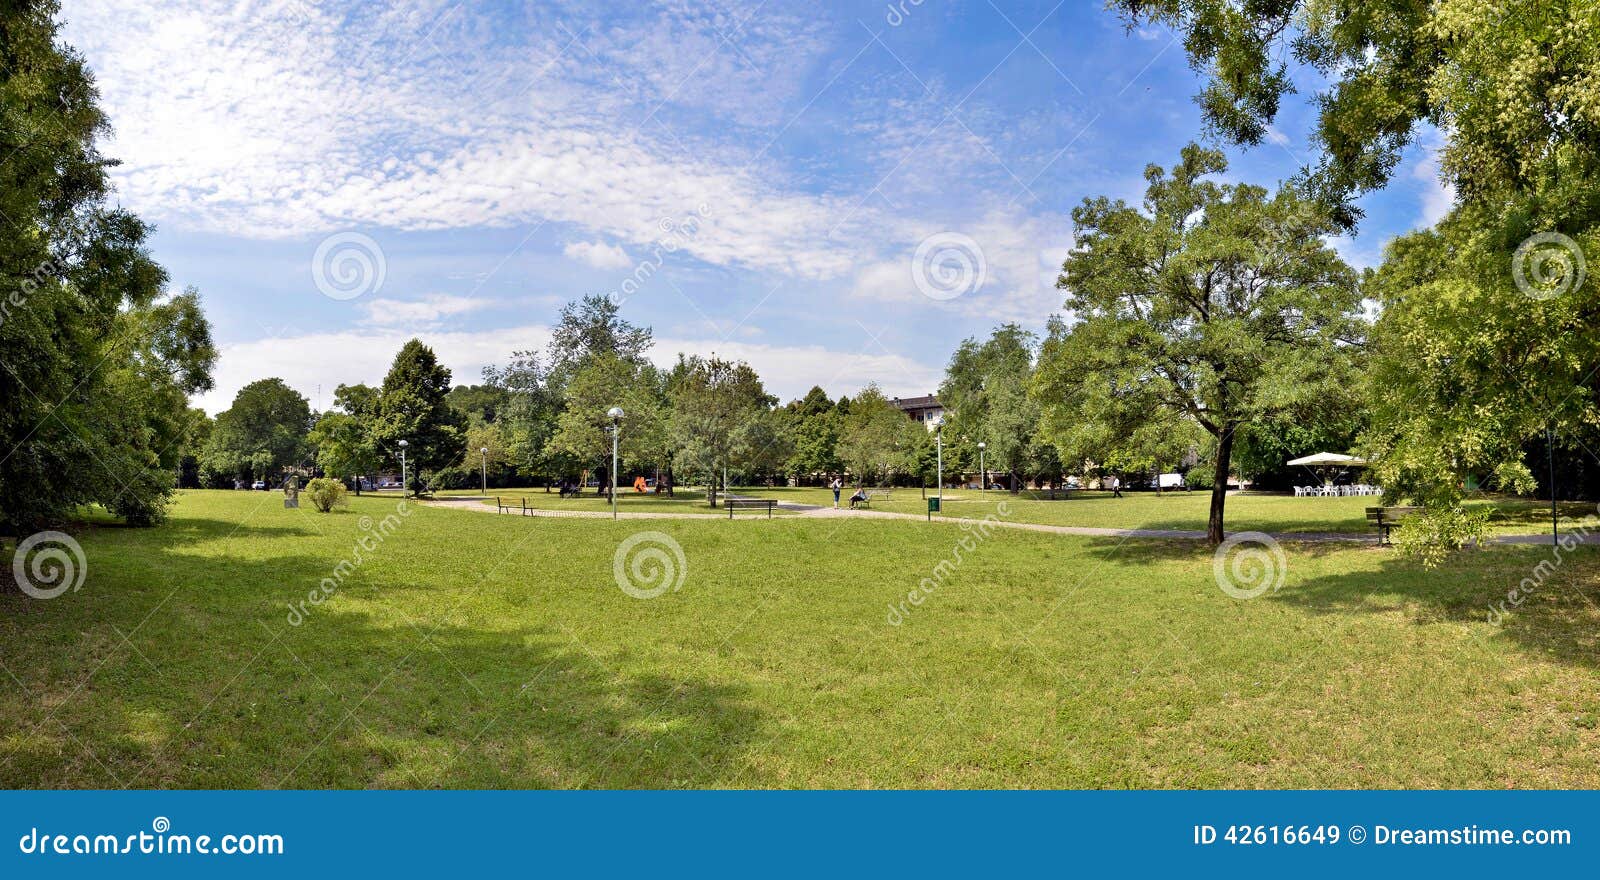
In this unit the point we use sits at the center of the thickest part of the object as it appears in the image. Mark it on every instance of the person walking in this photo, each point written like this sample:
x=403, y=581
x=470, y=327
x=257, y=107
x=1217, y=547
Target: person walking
x=836, y=486
x=1116, y=487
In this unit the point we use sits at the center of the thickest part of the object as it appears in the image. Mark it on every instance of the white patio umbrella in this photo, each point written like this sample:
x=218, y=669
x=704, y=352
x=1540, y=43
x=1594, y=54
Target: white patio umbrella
x=1328, y=458
x=1323, y=461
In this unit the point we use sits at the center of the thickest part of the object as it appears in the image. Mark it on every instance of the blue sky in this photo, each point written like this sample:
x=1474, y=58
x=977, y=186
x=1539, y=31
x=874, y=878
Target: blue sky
x=836, y=192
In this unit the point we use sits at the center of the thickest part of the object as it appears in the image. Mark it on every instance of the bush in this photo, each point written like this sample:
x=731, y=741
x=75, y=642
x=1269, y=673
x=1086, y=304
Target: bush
x=326, y=493
x=1432, y=535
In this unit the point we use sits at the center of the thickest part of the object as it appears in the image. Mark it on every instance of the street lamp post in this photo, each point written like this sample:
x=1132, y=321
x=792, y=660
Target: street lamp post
x=615, y=414
x=483, y=462
x=938, y=435
x=983, y=472
x=405, y=484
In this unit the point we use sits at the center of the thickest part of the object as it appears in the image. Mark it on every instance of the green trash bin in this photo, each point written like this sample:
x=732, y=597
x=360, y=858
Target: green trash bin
x=933, y=506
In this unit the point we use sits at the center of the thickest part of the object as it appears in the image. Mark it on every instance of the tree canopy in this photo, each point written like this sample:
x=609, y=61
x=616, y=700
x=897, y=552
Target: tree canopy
x=1217, y=304
x=97, y=359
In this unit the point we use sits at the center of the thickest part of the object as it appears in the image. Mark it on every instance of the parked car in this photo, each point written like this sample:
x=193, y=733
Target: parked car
x=259, y=484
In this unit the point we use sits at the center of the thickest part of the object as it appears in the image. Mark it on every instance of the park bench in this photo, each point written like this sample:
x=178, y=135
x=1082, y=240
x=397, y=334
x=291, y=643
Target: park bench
x=571, y=491
x=502, y=506
x=752, y=503
x=1387, y=518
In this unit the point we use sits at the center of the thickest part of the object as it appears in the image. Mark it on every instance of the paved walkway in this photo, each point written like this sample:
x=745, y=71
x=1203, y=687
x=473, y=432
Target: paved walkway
x=819, y=512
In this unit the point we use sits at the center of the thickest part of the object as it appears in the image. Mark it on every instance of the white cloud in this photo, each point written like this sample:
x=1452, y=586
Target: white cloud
x=316, y=363
x=428, y=310
x=1437, y=197
x=598, y=254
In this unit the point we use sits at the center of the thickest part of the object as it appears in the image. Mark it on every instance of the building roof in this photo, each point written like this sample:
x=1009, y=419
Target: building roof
x=923, y=402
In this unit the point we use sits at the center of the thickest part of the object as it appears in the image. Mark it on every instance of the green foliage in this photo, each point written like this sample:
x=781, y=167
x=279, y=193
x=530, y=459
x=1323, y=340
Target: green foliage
x=986, y=400
x=583, y=428
x=720, y=414
x=592, y=328
x=411, y=406
x=326, y=494
x=527, y=418
x=812, y=427
x=1430, y=536
x=877, y=441
x=96, y=359
x=1467, y=365
x=1515, y=85
x=1218, y=305
x=263, y=432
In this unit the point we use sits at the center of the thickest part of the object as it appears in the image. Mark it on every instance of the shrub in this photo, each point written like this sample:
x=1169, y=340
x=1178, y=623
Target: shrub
x=326, y=493
x=1431, y=535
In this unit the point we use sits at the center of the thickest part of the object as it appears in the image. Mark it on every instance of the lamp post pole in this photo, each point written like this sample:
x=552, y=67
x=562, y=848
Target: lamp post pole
x=938, y=434
x=405, y=484
x=983, y=472
x=483, y=462
x=615, y=413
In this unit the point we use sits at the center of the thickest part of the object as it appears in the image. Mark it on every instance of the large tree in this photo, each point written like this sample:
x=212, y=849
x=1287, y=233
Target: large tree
x=97, y=360
x=1217, y=303
x=411, y=405
x=591, y=328
x=985, y=395
x=583, y=428
x=812, y=425
x=718, y=410
x=876, y=440
x=261, y=434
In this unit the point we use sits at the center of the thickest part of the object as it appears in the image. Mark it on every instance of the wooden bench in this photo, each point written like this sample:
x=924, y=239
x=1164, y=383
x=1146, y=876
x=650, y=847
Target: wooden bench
x=752, y=503
x=500, y=506
x=1387, y=518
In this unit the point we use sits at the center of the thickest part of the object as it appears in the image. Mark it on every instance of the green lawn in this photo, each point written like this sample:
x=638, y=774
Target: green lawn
x=686, y=500
x=1188, y=510
x=475, y=651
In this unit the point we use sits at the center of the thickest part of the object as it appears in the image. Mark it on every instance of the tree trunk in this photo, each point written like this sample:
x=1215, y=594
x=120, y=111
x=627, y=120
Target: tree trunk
x=1219, y=488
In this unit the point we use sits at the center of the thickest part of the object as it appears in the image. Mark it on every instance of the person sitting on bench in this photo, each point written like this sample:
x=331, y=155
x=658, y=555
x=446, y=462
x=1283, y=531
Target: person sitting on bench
x=859, y=498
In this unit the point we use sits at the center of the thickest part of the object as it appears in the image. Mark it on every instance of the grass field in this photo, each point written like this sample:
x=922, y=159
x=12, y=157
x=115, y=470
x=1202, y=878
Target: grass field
x=1188, y=510
x=477, y=651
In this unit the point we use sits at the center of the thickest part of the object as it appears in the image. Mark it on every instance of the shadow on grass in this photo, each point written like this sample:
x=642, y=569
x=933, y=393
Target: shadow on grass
x=377, y=688
x=1553, y=615
x=1522, y=596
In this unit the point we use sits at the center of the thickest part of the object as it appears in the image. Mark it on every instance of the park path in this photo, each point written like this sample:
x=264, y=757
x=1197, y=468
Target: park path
x=820, y=512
